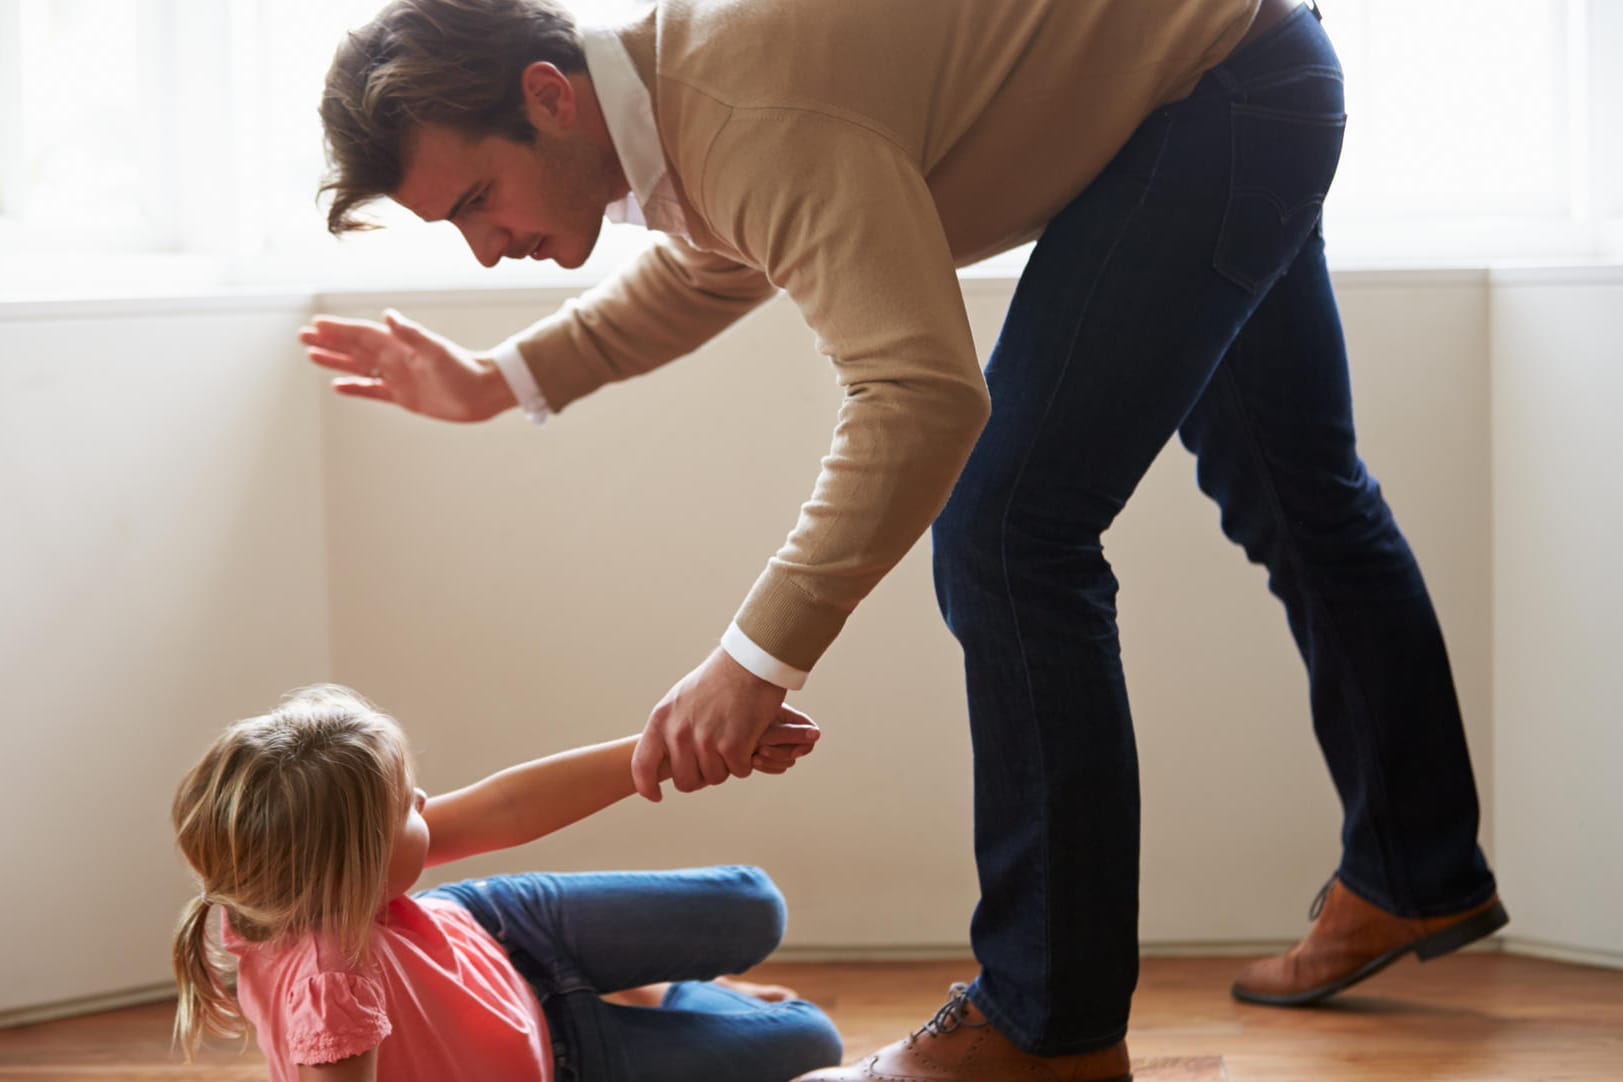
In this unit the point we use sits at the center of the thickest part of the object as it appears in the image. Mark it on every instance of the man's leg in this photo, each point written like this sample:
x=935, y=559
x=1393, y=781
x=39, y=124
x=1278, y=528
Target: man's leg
x=1131, y=298
x=1273, y=436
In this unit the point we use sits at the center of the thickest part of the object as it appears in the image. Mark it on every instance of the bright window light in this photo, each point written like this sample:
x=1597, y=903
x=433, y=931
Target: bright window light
x=175, y=143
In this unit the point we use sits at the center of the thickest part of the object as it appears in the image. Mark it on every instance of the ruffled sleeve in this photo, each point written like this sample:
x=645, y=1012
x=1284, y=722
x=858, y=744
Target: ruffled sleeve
x=332, y=1016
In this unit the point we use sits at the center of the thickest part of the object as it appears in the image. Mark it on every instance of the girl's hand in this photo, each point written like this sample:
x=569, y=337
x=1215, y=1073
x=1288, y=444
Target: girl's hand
x=790, y=736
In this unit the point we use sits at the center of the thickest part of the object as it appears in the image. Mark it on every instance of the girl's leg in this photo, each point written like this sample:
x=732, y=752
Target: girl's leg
x=703, y=1033
x=608, y=931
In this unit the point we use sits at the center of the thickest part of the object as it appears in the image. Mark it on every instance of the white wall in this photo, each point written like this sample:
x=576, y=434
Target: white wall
x=185, y=510
x=160, y=568
x=1558, y=608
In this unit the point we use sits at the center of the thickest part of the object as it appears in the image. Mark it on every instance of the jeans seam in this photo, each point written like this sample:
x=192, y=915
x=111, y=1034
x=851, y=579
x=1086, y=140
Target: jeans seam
x=1003, y=535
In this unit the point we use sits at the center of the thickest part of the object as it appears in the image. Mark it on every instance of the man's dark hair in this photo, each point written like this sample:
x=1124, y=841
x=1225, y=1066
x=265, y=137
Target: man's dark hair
x=458, y=63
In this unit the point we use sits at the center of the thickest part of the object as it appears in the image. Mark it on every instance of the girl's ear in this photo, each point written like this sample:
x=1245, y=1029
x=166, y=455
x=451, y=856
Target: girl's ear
x=549, y=98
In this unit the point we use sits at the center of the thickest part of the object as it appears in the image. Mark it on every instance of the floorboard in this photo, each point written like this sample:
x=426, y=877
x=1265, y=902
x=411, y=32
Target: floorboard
x=1479, y=1017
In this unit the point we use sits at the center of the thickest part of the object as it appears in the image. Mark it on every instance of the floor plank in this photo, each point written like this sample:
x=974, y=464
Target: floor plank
x=1477, y=1017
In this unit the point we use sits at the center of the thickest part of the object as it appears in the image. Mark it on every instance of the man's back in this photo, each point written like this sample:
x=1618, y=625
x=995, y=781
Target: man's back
x=1008, y=109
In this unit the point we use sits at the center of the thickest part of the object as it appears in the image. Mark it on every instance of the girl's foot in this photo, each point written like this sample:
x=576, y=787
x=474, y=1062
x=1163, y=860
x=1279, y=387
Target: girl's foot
x=772, y=993
x=652, y=995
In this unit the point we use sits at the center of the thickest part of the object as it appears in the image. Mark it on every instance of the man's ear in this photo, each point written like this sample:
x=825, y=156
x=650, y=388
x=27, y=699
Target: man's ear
x=549, y=98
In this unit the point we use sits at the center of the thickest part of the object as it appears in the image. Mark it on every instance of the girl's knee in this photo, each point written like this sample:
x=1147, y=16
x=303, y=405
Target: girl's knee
x=816, y=1042
x=756, y=908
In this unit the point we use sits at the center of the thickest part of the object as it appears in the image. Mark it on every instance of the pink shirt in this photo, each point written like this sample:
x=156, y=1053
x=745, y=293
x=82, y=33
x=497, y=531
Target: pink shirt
x=436, y=996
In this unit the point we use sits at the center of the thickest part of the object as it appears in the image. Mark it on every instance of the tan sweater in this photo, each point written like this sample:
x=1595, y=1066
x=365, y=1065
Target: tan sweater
x=853, y=153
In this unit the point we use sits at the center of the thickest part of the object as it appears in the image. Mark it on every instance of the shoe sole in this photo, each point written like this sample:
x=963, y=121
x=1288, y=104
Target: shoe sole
x=1441, y=942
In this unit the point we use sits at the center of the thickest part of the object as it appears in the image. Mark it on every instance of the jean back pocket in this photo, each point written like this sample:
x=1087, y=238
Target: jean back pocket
x=1280, y=170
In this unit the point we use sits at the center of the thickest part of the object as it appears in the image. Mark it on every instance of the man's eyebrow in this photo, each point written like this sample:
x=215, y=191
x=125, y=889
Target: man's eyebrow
x=456, y=208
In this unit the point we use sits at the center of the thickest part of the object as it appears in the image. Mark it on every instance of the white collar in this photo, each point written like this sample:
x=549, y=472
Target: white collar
x=628, y=110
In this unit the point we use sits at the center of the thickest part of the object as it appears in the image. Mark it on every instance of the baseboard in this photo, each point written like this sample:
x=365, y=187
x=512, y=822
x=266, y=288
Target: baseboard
x=910, y=952
x=1165, y=948
x=72, y=1008
x=1557, y=952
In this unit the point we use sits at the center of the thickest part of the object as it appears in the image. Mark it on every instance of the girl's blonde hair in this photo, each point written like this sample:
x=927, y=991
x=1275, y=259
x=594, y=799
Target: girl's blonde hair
x=289, y=820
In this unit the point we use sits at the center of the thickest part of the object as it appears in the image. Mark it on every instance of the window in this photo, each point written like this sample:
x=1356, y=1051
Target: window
x=1473, y=127
x=175, y=143
x=81, y=153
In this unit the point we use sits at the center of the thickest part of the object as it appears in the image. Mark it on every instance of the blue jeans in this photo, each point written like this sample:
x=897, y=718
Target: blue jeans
x=574, y=937
x=1185, y=291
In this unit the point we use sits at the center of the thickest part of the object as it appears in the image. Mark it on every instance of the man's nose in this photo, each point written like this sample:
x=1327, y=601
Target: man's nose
x=487, y=244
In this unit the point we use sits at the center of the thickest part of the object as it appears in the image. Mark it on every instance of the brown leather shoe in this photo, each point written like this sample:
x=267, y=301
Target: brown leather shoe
x=959, y=1045
x=1352, y=939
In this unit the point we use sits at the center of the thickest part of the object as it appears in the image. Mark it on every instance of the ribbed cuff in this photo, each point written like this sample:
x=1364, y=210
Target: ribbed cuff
x=510, y=362
x=743, y=650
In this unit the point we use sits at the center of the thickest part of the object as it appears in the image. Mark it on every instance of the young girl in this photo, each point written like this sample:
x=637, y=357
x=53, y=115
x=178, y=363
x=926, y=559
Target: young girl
x=306, y=831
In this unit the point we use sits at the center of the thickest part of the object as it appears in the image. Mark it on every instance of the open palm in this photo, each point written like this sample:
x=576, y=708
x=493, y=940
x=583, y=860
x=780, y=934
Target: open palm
x=405, y=363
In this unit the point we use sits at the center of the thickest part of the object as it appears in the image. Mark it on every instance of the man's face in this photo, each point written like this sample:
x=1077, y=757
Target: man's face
x=509, y=200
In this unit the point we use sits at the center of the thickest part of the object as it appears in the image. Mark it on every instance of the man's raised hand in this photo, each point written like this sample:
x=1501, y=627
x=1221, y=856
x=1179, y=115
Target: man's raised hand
x=403, y=362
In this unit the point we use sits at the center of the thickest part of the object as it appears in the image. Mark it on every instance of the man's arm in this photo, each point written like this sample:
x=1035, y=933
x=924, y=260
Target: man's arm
x=841, y=218
x=666, y=303
x=663, y=305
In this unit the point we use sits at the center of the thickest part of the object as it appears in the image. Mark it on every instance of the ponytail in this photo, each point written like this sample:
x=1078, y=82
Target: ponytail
x=207, y=1004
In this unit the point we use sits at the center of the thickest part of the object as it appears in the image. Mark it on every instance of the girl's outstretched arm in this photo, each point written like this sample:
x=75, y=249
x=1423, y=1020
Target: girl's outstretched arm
x=528, y=801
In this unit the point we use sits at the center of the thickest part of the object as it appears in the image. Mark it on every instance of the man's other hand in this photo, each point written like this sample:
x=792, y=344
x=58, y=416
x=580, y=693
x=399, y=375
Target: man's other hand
x=707, y=727
x=405, y=363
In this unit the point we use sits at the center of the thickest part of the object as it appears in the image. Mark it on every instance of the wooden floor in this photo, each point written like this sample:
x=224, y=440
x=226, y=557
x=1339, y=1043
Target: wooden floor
x=1472, y=1018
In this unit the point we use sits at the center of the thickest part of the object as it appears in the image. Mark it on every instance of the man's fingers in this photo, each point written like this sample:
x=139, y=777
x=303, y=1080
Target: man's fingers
x=330, y=332
x=408, y=332
x=685, y=772
x=353, y=363
x=712, y=767
x=646, y=760
x=738, y=759
x=363, y=388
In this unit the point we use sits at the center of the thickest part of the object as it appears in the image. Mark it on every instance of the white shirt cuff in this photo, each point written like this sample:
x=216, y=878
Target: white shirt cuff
x=511, y=364
x=744, y=651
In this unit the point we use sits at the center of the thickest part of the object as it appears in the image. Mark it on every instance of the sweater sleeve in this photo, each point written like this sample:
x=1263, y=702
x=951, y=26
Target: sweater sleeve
x=663, y=305
x=333, y=1016
x=840, y=217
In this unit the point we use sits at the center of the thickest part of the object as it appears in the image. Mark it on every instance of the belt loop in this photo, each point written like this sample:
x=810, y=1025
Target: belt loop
x=1317, y=14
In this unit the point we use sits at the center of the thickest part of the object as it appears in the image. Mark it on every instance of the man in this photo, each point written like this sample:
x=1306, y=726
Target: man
x=1173, y=156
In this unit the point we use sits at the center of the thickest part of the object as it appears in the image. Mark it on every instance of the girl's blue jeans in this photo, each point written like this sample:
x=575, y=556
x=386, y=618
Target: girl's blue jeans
x=575, y=937
x=1185, y=291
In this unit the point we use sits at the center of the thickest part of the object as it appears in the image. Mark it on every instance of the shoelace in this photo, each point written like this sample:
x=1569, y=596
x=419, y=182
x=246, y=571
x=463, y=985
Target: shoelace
x=1317, y=907
x=951, y=1015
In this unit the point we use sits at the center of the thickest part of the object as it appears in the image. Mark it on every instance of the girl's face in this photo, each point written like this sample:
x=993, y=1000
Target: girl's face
x=410, y=848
